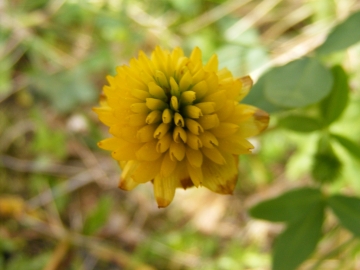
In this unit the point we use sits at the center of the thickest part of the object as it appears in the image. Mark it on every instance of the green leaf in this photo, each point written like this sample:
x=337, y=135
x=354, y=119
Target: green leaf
x=72, y=88
x=257, y=98
x=47, y=140
x=347, y=209
x=349, y=145
x=335, y=103
x=300, y=123
x=5, y=76
x=290, y=206
x=298, y=84
x=299, y=240
x=246, y=54
x=186, y=6
x=326, y=165
x=97, y=217
x=342, y=36
x=326, y=168
x=34, y=262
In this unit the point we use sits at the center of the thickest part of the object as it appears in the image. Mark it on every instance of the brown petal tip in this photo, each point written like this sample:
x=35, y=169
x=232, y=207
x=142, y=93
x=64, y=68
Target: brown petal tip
x=122, y=184
x=162, y=203
x=229, y=187
x=246, y=82
x=186, y=183
x=262, y=119
x=126, y=184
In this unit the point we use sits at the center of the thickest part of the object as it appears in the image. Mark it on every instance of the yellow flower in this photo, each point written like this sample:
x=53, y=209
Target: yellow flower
x=178, y=123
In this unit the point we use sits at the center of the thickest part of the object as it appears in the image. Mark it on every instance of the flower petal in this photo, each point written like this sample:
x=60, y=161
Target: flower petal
x=179, y=120
x=251, y=120
x=194, y=157
x=106, y=115
x=126, y=182
x=208, y=139
x=192, y=112
x=212, y=65
x=174, y=103
x=187, y=97
x=193, y=126
x=206, y=107
x=167, y=116
x=127, y=133
x=139, y=108
x=137, y=119
x=195, y=174
x=218, y=98
x=214, y=155
x=227, y=110
x=156, y=91
x=246, y=83
x=163, y=143
x=148, y=152
x=235, y=145
x=164, y=189
x=156, y=104
x=146, y=171
x=168, y=165
x=179, y=135
x=161, y=79
x=193, y=141
x=110, y=143
x=185, y=82
x=177, y=151
x=209, y=121
x=221, y=178
x=125, y=151
x=198, y=76
x=186, y=183
x=224, y=130
x=196, y=55
x=174, y=87
x=201, y=88
x=146, y=133
x=153, y=117
x=161, y=130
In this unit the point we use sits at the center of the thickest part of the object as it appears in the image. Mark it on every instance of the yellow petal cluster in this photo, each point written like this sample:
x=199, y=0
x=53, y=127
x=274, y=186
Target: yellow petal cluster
x=178, y=123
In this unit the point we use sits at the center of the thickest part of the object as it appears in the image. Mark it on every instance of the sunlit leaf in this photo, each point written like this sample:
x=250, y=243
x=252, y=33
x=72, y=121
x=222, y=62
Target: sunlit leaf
x=300, y=123
x=298, y=84
x=347, y=209
x=349, y=145
x=299, y=240
x=245, y=54
x=292, y=205
x=335, y=103
x=186, y=6
x=257, y=98
x=342, y=36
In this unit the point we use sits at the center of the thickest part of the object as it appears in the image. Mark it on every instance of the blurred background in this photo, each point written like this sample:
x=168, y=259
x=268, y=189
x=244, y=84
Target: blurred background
x=59, y=203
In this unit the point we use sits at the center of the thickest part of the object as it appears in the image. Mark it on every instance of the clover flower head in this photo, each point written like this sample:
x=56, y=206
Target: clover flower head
x=178, y=123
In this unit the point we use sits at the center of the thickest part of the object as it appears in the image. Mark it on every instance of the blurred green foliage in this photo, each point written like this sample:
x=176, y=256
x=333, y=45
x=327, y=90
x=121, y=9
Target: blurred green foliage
x=58, y=205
